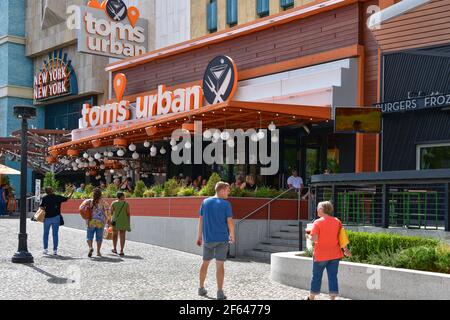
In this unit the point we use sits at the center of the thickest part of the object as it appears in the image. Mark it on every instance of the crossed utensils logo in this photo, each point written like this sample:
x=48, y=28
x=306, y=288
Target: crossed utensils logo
x=219, y=80
x=117, y=10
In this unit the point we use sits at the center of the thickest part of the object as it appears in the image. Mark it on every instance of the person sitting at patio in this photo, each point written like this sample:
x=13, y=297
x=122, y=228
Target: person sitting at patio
x=127, y=185
x=81, y=188
x=239, y=183
x=11, y=201
x=249, y=183
x=294, y=181
x=195, y=185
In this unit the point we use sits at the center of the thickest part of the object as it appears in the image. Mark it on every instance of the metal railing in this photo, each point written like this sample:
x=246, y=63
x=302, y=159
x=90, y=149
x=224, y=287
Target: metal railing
x=31, y=206
x=269, y=217
x=408, y=199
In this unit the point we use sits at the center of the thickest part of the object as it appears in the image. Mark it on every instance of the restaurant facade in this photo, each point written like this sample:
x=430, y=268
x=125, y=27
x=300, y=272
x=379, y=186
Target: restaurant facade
x=287, y=72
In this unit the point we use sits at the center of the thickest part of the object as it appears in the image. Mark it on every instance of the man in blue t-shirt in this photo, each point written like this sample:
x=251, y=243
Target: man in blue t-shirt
x=215, y=232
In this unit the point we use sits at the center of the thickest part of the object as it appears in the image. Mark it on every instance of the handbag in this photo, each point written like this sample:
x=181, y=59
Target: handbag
x=39, y=216
x=86, y=211
x=108, y=233
x=343, y=238
x=61, y=220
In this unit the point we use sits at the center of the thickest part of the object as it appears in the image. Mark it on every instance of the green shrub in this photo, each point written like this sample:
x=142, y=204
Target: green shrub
x=171, y=188
x=209, y=189
x=418, y=258
x=443, y=258
x=158, y=190
x=363, y=244
x=128, y=195
x=50, y=181
x=187, y=192
x=88, y=190
x=139, y=189
x=110, y=191
x=266, y=192
x=235, y=192
x=386, y=258
x=149, y=193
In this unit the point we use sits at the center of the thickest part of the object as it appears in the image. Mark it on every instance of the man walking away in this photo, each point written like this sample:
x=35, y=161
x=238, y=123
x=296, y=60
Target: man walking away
x=215, y=232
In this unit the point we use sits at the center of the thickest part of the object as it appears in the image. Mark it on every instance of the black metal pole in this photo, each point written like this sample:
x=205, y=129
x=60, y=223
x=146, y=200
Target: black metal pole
x=447, y=206
x=385, y=206
x=22, y=255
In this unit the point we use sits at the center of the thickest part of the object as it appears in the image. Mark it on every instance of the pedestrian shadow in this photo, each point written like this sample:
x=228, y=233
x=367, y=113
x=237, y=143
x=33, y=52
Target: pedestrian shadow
x=132, y=257
x=62, y=258
x=51, y=278
x=106, y=259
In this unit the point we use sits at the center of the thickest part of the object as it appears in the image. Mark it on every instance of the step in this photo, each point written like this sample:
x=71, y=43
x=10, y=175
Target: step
x=264, y=255
x=290, y=228
x=282, y=242
x=275, y=248
x=286, y=235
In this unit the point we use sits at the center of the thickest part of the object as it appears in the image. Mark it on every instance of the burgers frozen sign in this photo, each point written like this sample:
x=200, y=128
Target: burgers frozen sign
x=112, y=29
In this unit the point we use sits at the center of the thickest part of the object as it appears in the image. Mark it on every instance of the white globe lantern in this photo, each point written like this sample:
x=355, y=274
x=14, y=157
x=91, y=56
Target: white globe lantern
x=77, y=161
x=207, y=134
x=98, y=156
x=132, y=147
x=147, y=144
x=110, y=154
x=85, y=155
x=163, y=150
x=120, y=153
x=272, y=127
x=153, y=149
x=105, y=154
x=75, y=168
x=111, y=171
x=254, y=137
x=225, y=135
x=216, y=135
x=188, y=145
x=275, y=139
x=90, y=159
x=102, y=167
x=173, y=142
x=261, y=135
x=231, y=143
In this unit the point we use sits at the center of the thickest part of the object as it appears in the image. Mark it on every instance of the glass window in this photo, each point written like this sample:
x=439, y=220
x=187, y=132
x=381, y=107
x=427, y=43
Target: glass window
x=212, y=16
x=286, y=4
x=434, y=156
x=262, y=8
x=232, y=12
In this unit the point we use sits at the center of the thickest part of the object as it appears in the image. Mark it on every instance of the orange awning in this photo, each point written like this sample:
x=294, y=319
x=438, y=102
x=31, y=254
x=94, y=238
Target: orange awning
x=228, y=115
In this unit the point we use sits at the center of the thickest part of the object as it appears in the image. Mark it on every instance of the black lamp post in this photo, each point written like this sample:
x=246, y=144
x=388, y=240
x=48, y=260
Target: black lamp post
x=22, y=255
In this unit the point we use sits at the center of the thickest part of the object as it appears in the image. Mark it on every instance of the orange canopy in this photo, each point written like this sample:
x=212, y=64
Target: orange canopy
x=227, y=115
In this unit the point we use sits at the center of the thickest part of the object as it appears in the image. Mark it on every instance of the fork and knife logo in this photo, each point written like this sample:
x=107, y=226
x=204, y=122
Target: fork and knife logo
x=219, y=80
x=116, y=9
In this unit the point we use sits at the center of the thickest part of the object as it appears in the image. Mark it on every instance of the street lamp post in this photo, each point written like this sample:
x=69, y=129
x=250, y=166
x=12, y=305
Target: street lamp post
x=22, y=255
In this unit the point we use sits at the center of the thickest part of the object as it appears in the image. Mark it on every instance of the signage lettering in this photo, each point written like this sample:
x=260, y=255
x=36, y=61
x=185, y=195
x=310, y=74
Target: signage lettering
x=112, y=30
x=57, y=78
x=436, y=101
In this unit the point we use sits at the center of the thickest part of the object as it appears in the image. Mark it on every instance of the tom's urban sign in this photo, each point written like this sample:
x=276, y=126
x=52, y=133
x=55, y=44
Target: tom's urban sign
x=220, y=85
x=419, y=103
x=112, y=29
x=56, y=78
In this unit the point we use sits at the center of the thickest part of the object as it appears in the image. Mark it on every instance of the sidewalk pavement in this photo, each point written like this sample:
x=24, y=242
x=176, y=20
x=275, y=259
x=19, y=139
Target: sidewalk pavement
x=146, y=272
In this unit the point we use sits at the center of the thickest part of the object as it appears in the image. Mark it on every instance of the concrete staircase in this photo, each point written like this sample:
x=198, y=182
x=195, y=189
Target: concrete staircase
x=285, y=240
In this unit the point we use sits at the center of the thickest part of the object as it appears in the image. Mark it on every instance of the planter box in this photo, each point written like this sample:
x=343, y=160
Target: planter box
x=187, y=207
x=363, y=281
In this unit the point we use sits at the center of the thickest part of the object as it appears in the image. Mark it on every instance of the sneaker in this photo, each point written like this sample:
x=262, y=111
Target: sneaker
x=45, y=251
x=55, y=252
x=202, y=292
x=221, y=295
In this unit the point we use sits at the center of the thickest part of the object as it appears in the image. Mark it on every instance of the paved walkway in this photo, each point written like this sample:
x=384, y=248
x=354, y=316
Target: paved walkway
x=147, y=272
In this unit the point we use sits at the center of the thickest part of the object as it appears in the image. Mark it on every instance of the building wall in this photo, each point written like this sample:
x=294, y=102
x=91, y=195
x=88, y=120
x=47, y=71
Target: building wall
x=16, y=77
x=246, y=13
x=172, y=22
x=322, y=32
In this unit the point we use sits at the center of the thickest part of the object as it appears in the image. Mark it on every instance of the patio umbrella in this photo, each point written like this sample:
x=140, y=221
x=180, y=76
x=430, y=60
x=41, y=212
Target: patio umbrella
x=4, y=170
